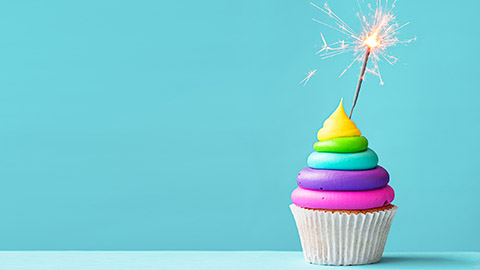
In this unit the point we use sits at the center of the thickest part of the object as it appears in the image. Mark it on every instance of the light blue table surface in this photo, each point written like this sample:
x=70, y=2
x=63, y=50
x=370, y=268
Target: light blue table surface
x=199, y=260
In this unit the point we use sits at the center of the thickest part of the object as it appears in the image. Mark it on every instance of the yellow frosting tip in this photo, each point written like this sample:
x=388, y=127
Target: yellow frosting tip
x=339, y=109
x=338, y=125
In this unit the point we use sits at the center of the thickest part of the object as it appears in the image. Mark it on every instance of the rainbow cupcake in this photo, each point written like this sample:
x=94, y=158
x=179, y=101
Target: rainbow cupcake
x=342, y=206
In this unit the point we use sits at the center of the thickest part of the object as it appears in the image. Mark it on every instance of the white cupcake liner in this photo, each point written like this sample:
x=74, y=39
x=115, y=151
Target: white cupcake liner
x=342, y=239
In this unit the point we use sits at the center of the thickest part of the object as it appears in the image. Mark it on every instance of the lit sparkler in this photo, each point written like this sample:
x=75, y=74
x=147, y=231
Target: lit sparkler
x=379, y=31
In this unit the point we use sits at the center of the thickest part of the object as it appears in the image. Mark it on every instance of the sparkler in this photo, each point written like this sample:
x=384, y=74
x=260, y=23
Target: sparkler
x=379, y=31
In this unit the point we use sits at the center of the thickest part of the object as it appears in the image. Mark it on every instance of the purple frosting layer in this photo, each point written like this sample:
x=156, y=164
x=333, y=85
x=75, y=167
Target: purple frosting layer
x=343, y=180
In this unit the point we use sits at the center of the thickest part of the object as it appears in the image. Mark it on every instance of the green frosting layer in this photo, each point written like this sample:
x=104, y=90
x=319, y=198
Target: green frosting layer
x=342, y=145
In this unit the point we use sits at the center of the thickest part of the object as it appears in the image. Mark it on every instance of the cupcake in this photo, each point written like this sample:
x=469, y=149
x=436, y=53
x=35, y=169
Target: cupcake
x=342, y=205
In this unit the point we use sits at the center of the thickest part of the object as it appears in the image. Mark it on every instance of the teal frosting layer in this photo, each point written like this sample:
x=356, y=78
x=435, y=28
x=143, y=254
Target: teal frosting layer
x=343, y=161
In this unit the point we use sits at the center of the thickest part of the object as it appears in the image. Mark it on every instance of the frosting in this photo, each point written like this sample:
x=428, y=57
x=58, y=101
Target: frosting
x=343, y=172
x=343, y=161
x=343, y=180
x=342, y=145
x=338, y=125
x=343, y=200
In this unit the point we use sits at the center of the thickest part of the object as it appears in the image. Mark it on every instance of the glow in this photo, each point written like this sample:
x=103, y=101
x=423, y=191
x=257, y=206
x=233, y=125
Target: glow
x=372, y=40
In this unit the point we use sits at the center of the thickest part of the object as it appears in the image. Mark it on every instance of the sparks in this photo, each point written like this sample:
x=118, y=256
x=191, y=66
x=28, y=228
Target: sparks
x=309, y=75
x=379, y=30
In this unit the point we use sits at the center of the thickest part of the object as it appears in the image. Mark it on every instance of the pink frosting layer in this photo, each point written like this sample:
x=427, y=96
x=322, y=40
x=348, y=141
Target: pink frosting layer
x=343, y=200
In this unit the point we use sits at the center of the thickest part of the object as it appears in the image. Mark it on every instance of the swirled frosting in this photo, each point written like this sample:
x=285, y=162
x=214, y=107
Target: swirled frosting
x=338, y=125
x=342, y=172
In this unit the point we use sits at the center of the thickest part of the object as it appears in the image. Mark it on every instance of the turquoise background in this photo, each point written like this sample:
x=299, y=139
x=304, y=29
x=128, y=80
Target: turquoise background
x=180, y=125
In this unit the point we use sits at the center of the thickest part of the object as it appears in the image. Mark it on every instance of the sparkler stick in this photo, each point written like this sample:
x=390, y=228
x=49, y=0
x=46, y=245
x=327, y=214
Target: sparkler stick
x=360, y=80
x=370, y=42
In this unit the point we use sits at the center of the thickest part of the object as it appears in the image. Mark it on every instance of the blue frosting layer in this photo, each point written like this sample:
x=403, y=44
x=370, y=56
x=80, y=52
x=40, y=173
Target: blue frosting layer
x=343, y=161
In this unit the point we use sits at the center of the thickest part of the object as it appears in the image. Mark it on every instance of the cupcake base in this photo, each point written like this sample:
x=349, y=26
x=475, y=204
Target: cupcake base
x=343, y=237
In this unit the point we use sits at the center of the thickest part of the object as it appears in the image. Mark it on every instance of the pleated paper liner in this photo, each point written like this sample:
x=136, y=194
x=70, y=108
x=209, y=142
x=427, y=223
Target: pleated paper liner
x=343, y=237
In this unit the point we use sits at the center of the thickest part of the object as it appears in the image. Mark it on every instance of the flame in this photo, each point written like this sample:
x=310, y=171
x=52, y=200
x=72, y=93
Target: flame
x=372, y=40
